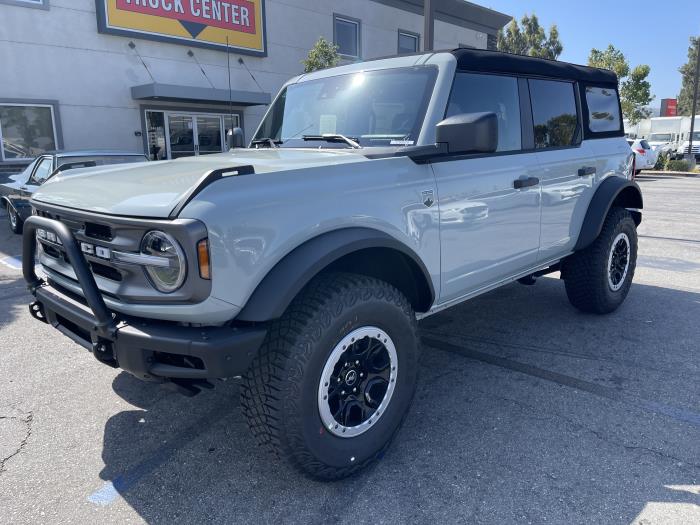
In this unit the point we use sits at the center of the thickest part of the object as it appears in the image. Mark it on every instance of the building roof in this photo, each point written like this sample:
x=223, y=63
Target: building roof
x=457, y=12
x=499, y=62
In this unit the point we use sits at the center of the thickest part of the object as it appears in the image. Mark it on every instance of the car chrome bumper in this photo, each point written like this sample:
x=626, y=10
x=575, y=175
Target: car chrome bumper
x=149, y=349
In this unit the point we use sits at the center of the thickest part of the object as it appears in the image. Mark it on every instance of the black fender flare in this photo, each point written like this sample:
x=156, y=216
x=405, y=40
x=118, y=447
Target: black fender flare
x=286, y=279
x=612, y=191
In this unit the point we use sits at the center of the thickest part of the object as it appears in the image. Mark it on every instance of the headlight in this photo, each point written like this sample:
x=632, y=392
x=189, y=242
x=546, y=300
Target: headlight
x=160, y=244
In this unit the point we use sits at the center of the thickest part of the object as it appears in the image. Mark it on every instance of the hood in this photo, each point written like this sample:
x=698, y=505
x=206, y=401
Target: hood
x=153, y=189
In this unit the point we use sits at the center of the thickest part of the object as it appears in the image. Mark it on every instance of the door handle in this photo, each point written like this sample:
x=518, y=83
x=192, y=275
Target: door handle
x=525, y=183
x=586, y=170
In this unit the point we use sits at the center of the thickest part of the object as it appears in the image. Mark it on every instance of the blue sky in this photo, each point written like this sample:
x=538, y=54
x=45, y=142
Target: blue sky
x=654, y=33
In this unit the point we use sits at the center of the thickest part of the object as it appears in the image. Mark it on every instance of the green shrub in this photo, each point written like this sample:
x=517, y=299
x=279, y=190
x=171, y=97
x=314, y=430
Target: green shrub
x=661, y=161
x=677, y=165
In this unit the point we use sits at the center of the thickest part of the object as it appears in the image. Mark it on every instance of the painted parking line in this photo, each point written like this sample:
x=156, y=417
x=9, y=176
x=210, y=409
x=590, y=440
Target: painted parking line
x=12, y=262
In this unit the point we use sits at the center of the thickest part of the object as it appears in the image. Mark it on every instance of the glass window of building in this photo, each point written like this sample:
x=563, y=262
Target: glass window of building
x=346, y=35
x=408, y=42
x=26, y=131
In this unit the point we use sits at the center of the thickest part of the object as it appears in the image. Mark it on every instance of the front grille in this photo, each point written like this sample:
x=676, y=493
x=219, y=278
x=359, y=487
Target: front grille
x=98, y=231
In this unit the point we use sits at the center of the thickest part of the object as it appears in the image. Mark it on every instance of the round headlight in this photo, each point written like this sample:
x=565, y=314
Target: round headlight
x=166, y=278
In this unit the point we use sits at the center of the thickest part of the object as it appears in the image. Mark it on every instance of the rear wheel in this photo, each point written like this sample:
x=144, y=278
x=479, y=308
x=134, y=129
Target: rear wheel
x=599, y=277
x=335, y=377
x=14, y=220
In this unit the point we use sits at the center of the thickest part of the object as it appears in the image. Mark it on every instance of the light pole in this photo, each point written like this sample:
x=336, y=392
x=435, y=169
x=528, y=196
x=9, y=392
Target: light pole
x=691, y=156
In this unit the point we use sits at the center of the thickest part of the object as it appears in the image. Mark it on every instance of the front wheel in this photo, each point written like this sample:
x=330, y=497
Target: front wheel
x=14, y=220
x=335, y=377
x=599, y=277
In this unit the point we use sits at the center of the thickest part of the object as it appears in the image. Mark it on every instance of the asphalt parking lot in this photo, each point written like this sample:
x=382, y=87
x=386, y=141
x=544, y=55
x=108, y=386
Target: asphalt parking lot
x=527, y=411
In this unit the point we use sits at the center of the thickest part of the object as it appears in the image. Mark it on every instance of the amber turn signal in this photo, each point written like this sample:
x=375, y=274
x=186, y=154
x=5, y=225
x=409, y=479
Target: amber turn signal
x=203, y=256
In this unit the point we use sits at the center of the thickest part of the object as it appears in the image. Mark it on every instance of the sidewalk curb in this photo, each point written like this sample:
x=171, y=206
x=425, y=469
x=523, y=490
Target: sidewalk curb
x=669, y=173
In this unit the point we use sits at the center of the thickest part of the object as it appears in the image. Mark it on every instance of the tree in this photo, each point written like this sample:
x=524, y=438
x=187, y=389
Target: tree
x=635, y=89
x=687, y=70
x=322, y=55
x=531, y=40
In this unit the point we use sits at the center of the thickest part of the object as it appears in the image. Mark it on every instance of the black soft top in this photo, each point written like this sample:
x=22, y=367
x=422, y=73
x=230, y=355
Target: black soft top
x=498, y=62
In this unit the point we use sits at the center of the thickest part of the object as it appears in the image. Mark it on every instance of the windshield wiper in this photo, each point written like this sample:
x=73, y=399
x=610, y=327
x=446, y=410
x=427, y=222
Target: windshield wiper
x=335, y=137
x=268, y=141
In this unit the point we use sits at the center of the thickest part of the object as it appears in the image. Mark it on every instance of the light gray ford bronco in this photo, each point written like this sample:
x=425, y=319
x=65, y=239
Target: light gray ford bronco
x=371, y=195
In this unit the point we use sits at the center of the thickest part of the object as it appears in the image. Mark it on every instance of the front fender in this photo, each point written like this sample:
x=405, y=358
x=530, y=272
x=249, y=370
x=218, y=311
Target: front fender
x=613, y=191
x=286, y=279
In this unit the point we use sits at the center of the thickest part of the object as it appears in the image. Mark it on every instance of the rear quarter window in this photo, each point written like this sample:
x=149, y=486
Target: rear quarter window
x=603, y=109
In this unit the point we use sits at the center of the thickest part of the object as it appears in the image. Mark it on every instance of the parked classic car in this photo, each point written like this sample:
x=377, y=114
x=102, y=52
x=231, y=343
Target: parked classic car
x=373, y=194
x=15, y=195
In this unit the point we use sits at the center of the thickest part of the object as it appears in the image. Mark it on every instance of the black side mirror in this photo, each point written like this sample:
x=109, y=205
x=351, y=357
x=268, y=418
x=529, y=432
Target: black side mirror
x=234, y=138
x=469, y=133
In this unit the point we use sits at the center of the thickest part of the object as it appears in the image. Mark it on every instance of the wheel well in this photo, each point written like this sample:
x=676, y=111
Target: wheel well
x=630, y=197
x=391, y=266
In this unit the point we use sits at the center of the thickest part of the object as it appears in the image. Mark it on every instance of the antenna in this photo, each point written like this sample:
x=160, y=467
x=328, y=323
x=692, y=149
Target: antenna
x=230, y=91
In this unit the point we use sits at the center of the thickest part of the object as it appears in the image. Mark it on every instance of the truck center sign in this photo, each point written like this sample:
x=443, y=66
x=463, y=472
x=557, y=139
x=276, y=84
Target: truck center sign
x=203, y=23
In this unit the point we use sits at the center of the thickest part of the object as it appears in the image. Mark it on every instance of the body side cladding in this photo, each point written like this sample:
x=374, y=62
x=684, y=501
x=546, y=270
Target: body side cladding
x=613, y=191
x=340, y=250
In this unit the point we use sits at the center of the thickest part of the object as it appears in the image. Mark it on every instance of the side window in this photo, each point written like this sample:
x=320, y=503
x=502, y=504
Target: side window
x=553, y=113
x=42, y=171
x=474, y=93
x=603, y=109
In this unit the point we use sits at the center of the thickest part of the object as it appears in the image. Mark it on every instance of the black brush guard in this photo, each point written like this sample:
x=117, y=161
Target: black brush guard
x=149, y=349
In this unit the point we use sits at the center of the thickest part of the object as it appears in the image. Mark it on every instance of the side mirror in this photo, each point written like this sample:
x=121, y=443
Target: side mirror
x=469, y=133
x=234, y=138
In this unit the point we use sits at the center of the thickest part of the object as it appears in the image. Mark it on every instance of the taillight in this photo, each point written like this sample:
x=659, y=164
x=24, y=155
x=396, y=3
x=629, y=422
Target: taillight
x=641, y=151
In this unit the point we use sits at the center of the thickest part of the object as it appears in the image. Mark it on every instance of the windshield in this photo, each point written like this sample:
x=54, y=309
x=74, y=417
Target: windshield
x=373, y=108
x=661, y=137
x=696, y=136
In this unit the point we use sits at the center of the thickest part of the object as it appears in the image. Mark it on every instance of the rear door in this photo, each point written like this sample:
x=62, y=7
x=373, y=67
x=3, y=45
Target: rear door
x=567, y=164
x=489, y=223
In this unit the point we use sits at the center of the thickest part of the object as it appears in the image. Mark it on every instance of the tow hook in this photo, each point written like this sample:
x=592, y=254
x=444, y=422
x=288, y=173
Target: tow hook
x=36, y=310
x=104, y=352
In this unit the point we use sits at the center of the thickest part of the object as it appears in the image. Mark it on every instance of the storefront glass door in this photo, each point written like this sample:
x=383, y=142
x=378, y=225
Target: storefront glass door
x=173, y=134
x=182, y=136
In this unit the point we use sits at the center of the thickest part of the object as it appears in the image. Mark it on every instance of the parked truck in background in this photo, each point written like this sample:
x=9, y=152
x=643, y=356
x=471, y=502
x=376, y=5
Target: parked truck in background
x=664, y=134
x=683, y=146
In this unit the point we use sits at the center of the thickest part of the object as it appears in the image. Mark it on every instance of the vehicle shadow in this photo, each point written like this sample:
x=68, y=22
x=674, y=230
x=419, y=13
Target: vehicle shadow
x=482, y=443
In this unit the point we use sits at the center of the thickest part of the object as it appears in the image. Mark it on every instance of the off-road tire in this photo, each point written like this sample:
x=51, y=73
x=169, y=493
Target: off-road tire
x=14, y=220
x=279, y=392
x=585, y=272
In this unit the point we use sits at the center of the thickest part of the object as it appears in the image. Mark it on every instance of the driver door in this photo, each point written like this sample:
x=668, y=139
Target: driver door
x=489, y=203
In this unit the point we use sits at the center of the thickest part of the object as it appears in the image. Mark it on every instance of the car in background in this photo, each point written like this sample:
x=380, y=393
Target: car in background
x=662, y=143
x=15, y=195
x=644, y=156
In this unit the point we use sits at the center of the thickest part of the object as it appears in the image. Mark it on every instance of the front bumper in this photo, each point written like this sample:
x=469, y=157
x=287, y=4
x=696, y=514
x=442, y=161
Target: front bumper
x=151, y=350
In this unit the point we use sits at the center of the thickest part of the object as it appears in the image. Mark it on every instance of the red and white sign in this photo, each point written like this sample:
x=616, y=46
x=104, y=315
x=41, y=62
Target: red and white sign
x=669, y=107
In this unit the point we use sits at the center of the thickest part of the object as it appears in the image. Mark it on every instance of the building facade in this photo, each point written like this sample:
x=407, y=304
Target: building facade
x=168, y=77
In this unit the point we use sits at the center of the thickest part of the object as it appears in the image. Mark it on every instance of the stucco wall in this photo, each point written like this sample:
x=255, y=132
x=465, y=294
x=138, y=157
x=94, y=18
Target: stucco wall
x=58, y=54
